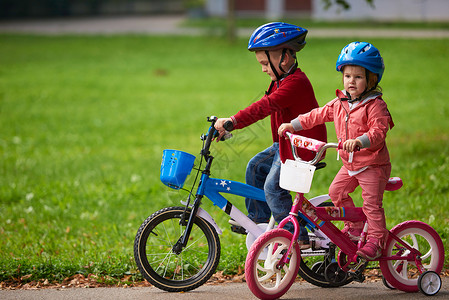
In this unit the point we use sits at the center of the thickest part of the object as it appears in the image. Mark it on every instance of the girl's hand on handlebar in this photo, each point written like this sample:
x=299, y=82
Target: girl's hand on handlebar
x=352, y=145
x=285, y=127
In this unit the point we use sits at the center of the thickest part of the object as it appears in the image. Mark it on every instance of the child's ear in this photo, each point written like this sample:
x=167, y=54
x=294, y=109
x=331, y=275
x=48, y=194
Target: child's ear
x=287, y=58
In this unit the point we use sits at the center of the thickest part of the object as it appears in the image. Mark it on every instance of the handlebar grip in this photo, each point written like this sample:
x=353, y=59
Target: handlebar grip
x=228, y=125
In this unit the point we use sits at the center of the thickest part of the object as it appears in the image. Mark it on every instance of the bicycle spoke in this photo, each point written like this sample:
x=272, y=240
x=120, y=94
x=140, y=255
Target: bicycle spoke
x=267, y=276
x=404, y=272
x=415, y=241
x=278, y=279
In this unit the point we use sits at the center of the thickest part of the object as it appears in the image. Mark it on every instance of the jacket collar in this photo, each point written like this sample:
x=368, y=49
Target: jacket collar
x=368, y=97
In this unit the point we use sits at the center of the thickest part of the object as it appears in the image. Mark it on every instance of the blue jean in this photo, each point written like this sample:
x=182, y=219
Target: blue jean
x=263, y=171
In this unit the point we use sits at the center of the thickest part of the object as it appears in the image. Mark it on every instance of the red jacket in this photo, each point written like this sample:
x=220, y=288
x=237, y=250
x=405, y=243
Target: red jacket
x=286, y=99
x=369, y=121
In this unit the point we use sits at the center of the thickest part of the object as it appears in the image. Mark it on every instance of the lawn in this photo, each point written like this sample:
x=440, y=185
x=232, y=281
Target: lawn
x=84, y=121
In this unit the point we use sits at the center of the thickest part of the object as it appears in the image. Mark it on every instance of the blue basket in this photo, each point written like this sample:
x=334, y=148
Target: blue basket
x=175, y=167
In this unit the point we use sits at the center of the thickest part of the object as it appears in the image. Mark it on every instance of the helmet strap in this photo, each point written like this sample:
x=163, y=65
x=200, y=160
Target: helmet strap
x=359, y=98
x=282, y=59
x=272, y=66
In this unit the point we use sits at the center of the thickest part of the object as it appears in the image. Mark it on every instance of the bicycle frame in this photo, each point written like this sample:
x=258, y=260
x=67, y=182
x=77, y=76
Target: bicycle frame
x=212, y=189
x=321, y=217
x=411, y=247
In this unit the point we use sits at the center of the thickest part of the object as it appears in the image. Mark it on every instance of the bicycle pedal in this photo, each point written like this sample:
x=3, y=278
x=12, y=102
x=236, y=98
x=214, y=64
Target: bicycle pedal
x=238, y=229
x=357, y=276
x=356, y=270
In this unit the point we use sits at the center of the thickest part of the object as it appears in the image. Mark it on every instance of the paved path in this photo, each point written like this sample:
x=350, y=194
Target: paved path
x=163, y=25
x=299, y=290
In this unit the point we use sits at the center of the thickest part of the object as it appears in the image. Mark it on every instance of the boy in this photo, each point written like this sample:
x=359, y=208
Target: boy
x=290, y=93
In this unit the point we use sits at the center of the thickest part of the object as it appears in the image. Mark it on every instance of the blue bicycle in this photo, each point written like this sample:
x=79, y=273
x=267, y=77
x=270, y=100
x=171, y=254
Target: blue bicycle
x=177, y=248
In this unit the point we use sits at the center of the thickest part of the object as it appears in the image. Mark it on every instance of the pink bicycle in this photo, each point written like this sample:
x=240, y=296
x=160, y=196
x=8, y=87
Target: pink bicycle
x=411, y=261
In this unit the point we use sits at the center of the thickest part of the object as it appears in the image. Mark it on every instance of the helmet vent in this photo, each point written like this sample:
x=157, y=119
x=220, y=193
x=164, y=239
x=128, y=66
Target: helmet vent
x=364, y=49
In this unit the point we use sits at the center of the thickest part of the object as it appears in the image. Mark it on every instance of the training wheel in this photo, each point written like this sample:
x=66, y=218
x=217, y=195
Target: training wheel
x=429, y=283
x=334, y=275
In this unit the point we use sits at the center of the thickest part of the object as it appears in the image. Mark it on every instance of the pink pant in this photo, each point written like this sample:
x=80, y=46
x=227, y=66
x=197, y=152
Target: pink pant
x=372, y=181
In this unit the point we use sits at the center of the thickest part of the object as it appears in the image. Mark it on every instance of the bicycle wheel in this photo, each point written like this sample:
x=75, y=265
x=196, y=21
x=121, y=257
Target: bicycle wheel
x=403, y=274
x=263, y=277
x=176, y=272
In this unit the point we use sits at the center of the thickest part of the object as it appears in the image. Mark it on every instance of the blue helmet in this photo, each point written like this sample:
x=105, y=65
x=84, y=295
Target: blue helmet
x=362, y=54
x=277, y=35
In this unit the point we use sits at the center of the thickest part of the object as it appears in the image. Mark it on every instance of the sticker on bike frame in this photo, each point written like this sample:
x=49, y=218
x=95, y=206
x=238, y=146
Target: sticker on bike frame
x=308, y=209
x=336, y=212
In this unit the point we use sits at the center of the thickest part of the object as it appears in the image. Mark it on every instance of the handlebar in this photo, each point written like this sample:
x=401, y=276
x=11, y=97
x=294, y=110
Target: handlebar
x=310, y=144
x=314, y=145
x=228, y=125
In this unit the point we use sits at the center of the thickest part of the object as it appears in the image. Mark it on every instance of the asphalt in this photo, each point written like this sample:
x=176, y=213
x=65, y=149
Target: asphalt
x=299, y=290
x=169, y=25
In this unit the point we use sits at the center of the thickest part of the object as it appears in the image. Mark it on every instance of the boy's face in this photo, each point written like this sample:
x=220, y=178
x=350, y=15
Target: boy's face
x=275, y=57
x=354, y=80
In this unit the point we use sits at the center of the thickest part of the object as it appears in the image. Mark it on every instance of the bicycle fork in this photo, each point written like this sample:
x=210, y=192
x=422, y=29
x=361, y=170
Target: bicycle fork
x=183, y=239
x=293, y=218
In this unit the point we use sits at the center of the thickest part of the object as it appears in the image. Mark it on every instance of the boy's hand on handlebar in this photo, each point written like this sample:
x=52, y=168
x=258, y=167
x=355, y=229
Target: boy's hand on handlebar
x=352, y=145
x=219, y=126
x=285, y=127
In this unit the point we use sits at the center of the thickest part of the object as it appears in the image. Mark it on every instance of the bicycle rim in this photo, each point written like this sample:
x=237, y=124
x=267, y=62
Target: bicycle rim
x=167, y=270
x=403, y=274
x=262, y=277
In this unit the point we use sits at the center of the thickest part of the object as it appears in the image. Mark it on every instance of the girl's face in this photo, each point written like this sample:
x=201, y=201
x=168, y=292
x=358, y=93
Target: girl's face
x=354, y=80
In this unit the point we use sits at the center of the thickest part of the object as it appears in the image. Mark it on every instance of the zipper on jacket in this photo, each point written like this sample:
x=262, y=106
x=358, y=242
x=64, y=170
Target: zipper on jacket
x=346, y=120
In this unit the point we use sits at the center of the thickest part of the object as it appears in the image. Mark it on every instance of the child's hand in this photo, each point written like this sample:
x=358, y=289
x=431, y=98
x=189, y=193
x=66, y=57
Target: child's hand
x=351, y=145
x=285, y=127
x=219, y=126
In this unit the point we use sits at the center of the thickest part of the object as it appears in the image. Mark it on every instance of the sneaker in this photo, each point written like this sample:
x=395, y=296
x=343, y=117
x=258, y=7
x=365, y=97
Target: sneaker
x=304, y=245
x=370, y=250
x=352, y=233
x=233, y=222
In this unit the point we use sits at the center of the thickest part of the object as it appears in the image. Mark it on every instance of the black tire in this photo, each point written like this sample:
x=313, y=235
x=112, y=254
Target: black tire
x=163, y=268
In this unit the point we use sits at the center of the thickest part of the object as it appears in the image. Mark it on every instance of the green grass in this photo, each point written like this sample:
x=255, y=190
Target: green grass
x=84, y=121
x=221, y=23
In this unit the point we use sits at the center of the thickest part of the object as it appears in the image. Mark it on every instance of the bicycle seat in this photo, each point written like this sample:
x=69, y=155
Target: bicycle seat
x=320, y=165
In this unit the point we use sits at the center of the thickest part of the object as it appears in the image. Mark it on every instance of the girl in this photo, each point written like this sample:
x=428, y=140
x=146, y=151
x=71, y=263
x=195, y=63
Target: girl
x=361, y=120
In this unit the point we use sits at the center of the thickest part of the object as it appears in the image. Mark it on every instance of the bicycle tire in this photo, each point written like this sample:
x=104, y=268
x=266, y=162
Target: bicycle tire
x=259, y=273
x=402, y=274
x=164, y=269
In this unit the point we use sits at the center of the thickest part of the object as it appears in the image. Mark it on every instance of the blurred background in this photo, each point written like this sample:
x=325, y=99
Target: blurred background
x=405, y=10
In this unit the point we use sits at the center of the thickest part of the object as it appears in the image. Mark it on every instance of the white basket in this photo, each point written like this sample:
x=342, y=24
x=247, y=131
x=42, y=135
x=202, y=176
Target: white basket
x=296, y=176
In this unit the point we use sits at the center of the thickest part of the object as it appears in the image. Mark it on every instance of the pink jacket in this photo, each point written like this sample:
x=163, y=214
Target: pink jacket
x=369, y=121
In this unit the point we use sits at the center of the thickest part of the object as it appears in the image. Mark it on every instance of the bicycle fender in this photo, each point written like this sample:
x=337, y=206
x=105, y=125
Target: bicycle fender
x=206, y=216
x=319, y=199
